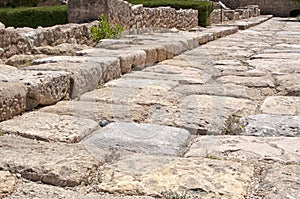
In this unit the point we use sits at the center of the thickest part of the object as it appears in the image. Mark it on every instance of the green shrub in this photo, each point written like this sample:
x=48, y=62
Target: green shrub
x=103, y=30
x=204, y=8
x=34, y=16
x=20, y=3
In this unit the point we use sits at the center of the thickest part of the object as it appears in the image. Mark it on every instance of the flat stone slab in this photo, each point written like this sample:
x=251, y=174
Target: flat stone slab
x=275, y=65
x=145, y=138
x=49, y=127
x=200, y=178
x=281, y=105
x=43, y=87
x=8, y=183
x=12, y=99
x=277, y=181
x=99, y=111
x=58, y=164
x=151, y=95
x=247, y=148
x=86, y=74
x=39, y=190
x=266, y=125
x=288, y=84
x=264, y=81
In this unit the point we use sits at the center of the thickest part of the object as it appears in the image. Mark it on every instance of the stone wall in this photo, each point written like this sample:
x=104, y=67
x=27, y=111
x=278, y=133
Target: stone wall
x=280, y=8
x=226, y=15
x=131, y=16
x=21, y=40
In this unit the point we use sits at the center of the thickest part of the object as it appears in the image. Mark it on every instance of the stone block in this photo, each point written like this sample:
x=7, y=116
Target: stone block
x=49, y=127
x=12, y=99
x=281, y=105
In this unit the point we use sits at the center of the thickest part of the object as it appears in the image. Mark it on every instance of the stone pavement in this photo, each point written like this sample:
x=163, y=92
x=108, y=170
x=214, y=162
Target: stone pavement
x=220, y=120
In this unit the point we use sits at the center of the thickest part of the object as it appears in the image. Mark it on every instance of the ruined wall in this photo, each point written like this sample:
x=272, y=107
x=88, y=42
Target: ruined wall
x=222, y=15
x=280, y=8
x=131, y=16
x=21, y=40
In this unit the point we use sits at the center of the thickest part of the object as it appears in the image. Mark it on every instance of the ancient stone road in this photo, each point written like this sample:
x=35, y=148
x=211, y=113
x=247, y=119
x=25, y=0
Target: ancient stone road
x=219, y=121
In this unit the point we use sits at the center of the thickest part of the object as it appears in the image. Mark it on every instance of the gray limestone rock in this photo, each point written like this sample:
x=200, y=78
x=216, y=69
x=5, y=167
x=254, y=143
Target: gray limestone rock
x=43, y=87
x=267, y=125
x=12, y=99
x=49, y=127
x=145, y=138
x=281, y=105
x=58, y=164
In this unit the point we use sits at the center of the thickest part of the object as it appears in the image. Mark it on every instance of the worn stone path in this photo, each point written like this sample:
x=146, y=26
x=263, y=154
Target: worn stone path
x=218, y=121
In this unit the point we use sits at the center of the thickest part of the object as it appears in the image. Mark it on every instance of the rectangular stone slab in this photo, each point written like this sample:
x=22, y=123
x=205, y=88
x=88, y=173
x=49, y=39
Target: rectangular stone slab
x=145, y=138
x=99, y=111
x=86, y=72
x=49, y=127
x=12, y=99
x=51, y=163
x=43, y=87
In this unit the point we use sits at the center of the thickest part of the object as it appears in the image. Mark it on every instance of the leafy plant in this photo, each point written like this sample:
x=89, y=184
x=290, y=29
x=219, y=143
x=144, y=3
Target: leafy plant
x=104, y=30
x=232, y=126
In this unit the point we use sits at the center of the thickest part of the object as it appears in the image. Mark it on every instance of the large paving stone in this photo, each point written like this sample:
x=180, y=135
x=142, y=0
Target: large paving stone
x=229, y=90
x=86, y=73
x=200, y=178
x=49, y=127
x=276, y=56
x=145, y=138
x=7, y=183
x=267, y=125
x=277, y=181
x=206, y=114
x=128, y=58
x=288, y=84
x=99, y=111
x=43, y=87
x=246, y=148
x=143, y=96
x=275, y=65
x=249, y=81
x=12, y=100
x=51, y=163
x=281, y=105
x=38, y=190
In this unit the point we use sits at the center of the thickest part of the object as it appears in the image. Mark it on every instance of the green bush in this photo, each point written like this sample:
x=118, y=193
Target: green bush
x=34, y=16
x=103, y=30
x=204, y=8
x=20, y=3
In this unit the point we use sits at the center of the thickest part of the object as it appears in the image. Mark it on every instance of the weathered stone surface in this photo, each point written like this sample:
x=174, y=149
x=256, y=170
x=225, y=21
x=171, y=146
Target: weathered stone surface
x=12, y=99
x=22, y=60
x=128, y=58
x=7, y=183
x=43, y=88
x=201, y=178
x=266, y=125
x=145, y=95
x=38, y=190
x=2, y=26
x=51, y=163
x=249, y=81
x=229, y=90
x=49, y=127
x=59, y=50
x=281, y=105
x=288, y=84
x=145, y=138
x=86, y=74
x=246, y=148
x=276, y=66
x=206, y=114
x=277, y=181
x=99, y=111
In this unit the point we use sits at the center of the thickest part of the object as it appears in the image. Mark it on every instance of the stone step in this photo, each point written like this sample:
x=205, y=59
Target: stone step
x=42, y=87
x=57, y=164
x=140, y=138
x=99, y=111
x=86, y=72
x=49, y=127
x=285, y=150
x=281, y=105
x=245, y=24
